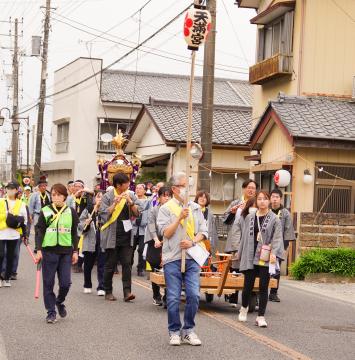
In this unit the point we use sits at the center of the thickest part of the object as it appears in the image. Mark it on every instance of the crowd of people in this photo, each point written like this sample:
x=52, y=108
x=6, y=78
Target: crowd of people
x=76, y=227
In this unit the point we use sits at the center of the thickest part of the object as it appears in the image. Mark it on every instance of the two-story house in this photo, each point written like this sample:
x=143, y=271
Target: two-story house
x=151, y=109
x=304, y=105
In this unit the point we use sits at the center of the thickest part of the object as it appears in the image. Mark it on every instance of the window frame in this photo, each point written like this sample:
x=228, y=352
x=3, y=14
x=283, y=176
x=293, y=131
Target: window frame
x=122, y=124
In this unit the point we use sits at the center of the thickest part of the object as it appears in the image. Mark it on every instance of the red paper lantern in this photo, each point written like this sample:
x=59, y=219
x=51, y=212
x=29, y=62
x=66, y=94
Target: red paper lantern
x=197, y=25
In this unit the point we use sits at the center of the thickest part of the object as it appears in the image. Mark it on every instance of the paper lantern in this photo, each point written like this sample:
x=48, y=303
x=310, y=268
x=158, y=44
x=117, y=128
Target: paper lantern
x=282, y=178
x=307, y=177
x=197, y=24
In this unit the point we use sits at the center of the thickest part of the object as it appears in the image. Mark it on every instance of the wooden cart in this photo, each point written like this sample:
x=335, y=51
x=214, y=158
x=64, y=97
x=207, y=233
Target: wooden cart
x=219, y=283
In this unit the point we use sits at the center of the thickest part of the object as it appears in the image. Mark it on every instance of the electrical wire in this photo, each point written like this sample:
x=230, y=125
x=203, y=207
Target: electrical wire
x=114, y=62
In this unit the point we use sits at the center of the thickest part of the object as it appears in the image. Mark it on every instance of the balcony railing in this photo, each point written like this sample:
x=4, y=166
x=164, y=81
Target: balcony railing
x=272, y=68
x=105, y=147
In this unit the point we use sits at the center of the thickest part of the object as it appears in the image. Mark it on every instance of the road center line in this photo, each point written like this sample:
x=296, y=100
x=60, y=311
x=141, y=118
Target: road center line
x=242, y=329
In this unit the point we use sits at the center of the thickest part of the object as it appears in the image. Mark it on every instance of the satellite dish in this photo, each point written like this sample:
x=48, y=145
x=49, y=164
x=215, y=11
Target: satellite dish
x=106, y=137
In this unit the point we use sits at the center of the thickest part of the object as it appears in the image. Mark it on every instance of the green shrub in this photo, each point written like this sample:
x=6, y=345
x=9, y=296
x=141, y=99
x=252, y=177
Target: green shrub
x=337, y=261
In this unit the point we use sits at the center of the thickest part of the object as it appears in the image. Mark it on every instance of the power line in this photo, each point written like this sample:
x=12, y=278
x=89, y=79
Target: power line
x=114, y=62
x=151, y=49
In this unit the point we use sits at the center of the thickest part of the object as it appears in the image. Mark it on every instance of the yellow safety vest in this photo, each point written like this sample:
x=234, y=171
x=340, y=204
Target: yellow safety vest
x=3, y=213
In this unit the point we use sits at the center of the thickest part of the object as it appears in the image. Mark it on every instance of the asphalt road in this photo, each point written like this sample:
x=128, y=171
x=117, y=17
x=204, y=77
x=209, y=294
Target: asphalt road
x=302, y=326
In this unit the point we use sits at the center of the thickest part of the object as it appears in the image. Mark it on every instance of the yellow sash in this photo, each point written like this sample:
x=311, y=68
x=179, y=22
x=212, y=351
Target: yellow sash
x=176, y=210
x=116, y=213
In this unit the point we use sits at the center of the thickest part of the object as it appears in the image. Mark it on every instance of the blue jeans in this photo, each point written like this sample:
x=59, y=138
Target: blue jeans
x=51, y=264
x=174, y=280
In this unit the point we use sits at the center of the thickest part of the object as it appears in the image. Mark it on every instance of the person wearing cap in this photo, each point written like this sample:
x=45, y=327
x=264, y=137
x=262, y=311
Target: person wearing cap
x=26, y=195
x=39, y=200
x=13, y=220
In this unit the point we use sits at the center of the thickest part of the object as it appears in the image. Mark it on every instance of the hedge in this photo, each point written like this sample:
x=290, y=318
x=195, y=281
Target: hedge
x=339, y=261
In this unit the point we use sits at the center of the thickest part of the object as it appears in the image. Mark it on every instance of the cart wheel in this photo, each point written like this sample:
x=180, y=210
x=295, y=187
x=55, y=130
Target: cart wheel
x=252, y=302
x=209, y=298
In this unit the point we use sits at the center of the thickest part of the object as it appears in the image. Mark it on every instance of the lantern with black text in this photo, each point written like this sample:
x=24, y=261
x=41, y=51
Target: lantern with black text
x=197, y=24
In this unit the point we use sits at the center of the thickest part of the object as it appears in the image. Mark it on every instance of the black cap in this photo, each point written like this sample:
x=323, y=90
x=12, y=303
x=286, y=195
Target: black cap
x=12, y=185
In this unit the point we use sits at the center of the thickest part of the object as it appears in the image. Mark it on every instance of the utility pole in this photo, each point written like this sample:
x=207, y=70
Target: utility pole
x=42, y=94
x=15, y=127
x=204, y=179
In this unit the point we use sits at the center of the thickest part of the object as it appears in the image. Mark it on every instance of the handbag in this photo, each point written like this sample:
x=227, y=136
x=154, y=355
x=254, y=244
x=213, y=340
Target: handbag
x=153, y=255
x=13, y=221
x=265, y=253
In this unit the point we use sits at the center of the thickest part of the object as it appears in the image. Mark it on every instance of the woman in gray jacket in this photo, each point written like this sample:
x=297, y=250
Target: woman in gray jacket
x=261, y=243
x=90, y=227
x=154, y=240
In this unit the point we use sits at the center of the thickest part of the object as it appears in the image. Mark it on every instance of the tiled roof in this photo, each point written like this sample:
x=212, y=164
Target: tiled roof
x=230, y=126
x=317, y=117
x=125, y=86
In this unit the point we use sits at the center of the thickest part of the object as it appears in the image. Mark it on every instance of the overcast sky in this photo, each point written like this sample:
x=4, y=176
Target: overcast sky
x=235, y=43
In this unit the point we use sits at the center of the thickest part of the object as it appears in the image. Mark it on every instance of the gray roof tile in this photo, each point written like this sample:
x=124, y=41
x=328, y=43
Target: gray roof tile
x=125, y=86
x=317, y=117
x=230, y=126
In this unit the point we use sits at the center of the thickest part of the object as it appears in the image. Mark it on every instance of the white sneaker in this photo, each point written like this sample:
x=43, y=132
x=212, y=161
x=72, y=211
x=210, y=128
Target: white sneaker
x=243, y=313
x=175, y=340
x=6, y=283
x=261, y=322
x=192, y=339
x=100, y=292
x=87, y=291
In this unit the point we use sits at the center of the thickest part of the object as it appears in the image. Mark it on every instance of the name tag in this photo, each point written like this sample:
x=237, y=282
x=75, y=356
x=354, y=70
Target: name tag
x=127, y=225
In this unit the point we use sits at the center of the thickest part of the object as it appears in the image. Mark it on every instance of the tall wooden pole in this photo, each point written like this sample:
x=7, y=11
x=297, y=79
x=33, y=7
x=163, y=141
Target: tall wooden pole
x=188, y=148
x=15, y=132
x=42, y=94
x=204, y=180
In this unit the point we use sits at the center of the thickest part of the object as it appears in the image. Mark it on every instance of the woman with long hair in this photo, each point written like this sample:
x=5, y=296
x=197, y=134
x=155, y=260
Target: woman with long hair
x=261, y=243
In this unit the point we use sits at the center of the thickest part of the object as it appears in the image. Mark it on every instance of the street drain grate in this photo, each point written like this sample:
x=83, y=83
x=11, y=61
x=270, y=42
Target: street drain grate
x=339, y=328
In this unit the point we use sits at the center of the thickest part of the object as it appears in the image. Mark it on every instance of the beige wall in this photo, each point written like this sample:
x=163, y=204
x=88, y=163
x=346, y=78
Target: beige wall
x=304, y=194
x=276, y=147
x=327, y=65
x=329, y=47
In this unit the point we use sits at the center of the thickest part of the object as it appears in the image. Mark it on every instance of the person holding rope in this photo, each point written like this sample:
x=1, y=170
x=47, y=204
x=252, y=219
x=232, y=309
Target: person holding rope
x=154, y=242
x=90, y=225
x=176, y=238
x=117, y=208
x=57, y=248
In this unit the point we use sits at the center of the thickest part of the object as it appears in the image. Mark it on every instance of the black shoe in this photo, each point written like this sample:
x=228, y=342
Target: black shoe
x=274, y=297
x=62, y=311
x=13, y=276
x=140, y=273
x=51, y=319
x=157, y=302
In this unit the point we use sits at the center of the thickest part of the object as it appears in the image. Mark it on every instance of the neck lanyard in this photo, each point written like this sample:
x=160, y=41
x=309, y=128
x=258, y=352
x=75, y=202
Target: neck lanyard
x=58, y=213
x=259, y=238
x=43, y=197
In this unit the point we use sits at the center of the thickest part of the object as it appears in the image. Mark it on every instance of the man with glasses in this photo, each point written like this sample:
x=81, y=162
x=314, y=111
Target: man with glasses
x=170, y=222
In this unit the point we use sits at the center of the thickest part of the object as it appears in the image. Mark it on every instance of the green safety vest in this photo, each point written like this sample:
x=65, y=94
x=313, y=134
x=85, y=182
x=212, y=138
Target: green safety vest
x=59, y=230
